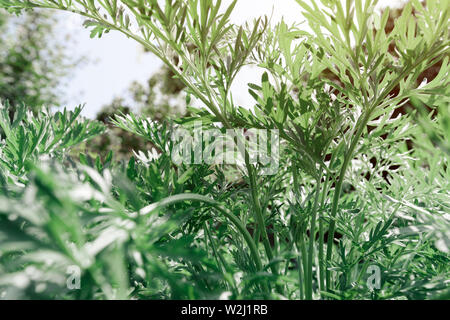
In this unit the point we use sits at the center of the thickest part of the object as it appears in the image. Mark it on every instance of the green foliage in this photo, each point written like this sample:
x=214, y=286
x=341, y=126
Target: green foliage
x=30, y=137
x=359, y=183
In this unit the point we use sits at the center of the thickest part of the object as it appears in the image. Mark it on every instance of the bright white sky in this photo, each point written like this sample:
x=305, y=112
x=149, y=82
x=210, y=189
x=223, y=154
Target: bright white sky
x=117, y=61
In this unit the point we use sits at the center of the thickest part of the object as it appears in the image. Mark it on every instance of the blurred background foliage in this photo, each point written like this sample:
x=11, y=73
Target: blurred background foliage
x=33, y=64
x=34, y=68
x=161, y=98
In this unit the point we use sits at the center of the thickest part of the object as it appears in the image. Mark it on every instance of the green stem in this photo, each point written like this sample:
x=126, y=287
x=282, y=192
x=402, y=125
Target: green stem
x=219, y=259
x=231, y=217
x=259, y=216
x=337, y=191
x=312, y=235
x=300, y=275
x=260, y=221
x=304, y=263
x=321, y=238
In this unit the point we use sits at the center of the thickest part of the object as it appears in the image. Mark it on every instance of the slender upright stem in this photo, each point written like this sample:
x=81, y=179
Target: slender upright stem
x=300, y=275
x=217, y=256
x=337, y=191
x=312, y=236
x=230, y=216
x=259, y=215
x=304, y=265
x=321, y=238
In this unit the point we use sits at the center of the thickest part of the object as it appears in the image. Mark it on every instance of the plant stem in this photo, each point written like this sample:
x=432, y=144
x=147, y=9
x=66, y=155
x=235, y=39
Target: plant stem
x=218, y=257
x=300, y=275
x=303, y=266
x=321, y=238
x=259, y=216
x=337, y=191
x=233, y=219
x=312, y=236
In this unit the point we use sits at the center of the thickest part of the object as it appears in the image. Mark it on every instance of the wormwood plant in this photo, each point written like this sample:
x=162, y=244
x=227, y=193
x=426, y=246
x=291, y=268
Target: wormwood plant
x=351, y=193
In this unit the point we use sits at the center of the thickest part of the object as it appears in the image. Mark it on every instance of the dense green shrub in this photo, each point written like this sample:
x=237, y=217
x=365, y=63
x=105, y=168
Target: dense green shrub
x=350, y=193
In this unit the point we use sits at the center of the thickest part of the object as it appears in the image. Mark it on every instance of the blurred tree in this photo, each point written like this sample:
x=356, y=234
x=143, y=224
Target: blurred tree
x=160, y=98
x=32, y=65
x=120, y=142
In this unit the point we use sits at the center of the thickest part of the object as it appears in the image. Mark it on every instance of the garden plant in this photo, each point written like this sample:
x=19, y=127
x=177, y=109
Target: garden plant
x=357, y=208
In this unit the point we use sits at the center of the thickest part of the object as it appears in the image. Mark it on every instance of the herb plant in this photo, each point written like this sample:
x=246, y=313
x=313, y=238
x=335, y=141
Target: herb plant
x=359, y=187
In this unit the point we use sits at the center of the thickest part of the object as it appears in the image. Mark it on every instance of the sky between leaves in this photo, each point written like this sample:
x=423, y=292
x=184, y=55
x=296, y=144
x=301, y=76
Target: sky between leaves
x=115, y=61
